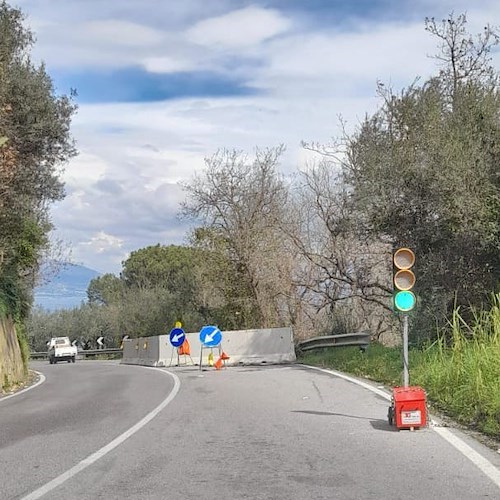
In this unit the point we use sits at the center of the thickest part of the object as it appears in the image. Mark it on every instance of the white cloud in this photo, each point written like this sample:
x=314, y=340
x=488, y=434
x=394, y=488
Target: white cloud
x=102, y=242
x=167, y=64
x=105, y=251
x=129, y=185
x=84, y=170
x=152, y=117
x=240, y=28
x=331, y=63
x=126, y=33
x=100, y=43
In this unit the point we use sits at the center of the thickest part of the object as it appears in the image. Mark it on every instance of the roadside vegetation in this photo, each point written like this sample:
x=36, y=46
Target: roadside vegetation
x=35, y=141
x=460, y=370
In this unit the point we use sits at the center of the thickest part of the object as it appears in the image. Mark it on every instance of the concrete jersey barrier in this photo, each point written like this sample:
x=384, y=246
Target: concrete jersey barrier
x=244, y=347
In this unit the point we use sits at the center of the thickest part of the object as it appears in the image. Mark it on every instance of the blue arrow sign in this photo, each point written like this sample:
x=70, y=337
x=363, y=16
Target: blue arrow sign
x=210, y=336
x=177, y=336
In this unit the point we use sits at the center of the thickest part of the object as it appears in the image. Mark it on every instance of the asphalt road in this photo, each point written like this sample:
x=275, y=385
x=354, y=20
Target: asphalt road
x=101, y=430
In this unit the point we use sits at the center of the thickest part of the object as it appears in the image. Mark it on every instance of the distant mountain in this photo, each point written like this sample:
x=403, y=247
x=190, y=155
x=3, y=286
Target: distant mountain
x=67, y=290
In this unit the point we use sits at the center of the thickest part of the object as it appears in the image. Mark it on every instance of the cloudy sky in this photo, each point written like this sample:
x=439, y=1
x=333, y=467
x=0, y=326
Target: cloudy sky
x=162, y=84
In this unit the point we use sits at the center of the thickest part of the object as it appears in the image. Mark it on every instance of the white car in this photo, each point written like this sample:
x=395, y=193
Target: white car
x=60, y=349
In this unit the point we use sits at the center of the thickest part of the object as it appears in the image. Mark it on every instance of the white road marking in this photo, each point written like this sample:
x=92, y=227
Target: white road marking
x=86, y=462
x=355, y=381
x=485, y=465
x=41, y=381
x=476, y=458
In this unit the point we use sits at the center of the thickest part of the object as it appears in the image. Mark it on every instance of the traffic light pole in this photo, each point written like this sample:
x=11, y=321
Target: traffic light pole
x=404, y=299
x=406, y=375
x=408, y=408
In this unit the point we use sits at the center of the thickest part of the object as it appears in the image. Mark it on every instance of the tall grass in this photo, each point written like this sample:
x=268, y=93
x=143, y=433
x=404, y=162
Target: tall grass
x=378, y=363
x=461, y=374
x=460, y=371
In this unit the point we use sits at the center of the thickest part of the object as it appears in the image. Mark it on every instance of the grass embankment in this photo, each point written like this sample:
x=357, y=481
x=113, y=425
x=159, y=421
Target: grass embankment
x=460, y=372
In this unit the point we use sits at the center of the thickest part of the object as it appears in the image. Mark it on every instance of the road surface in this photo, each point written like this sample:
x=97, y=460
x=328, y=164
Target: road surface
x=101, y=430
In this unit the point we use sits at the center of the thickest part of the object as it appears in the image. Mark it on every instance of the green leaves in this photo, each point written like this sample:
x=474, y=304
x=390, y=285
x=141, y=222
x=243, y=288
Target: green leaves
x=34, y=141
x=167, y=266
x=107, y=289
x=424, y=173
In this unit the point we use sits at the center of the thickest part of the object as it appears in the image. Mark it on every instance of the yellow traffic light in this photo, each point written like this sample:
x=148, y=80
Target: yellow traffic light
x=404, y=279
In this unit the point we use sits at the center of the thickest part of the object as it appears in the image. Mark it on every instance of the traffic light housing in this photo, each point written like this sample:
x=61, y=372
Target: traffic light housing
x=403, y=280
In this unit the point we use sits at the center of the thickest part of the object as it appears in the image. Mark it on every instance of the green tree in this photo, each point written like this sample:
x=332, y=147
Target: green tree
x=35, y=122
x=158, y=265
x=423, y=172
x=106, y=289
x=222, y=294
x=84, y=324
x=169, y=267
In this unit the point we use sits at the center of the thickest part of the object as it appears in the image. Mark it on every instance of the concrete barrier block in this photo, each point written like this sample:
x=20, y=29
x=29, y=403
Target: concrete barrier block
x=244, y=347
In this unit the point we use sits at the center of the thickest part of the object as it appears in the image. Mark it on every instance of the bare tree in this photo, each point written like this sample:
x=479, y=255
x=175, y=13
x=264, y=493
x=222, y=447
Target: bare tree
x=344, y=275
x=240, y=203
x=463, y=57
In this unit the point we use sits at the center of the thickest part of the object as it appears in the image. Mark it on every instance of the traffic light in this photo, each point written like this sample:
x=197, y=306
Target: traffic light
x=403, y=280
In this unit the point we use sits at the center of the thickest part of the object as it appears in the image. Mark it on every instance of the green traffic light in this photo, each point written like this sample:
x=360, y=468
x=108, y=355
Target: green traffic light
x=405, y=300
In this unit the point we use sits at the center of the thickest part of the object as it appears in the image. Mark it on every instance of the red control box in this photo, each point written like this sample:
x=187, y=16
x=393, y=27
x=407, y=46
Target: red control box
x=409, y=407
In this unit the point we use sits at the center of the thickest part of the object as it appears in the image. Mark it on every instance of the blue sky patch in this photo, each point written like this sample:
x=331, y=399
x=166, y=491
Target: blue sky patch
x=342, y=11
x=137, y=85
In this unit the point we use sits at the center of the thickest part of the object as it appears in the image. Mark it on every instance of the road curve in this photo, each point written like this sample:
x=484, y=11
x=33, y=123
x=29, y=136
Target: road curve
x=283, y=432
x=76, y=411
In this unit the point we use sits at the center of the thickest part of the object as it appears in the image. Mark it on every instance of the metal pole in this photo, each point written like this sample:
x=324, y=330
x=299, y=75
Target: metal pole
x=406, y=375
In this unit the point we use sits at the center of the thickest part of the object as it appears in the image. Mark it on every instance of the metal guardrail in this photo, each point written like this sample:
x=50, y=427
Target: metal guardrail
x=80, y=354
x=360, y=339
x=96, y=352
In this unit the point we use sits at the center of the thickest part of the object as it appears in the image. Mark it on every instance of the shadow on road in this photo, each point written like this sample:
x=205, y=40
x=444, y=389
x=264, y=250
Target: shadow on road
x=383, y=425
x=378, y=424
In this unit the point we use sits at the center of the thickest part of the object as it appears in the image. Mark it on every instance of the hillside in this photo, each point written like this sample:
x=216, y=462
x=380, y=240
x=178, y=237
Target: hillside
x=66, y=290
